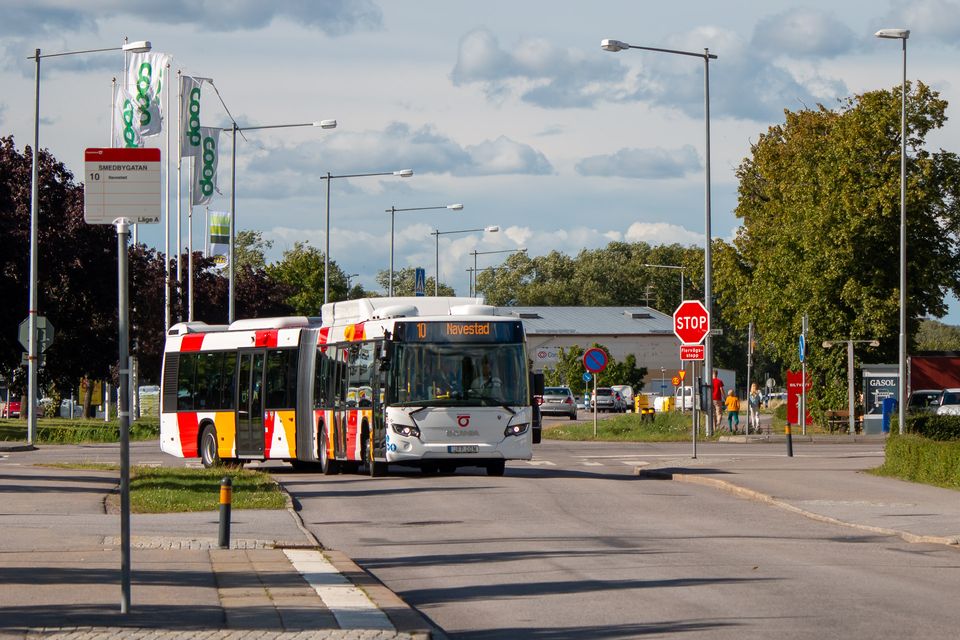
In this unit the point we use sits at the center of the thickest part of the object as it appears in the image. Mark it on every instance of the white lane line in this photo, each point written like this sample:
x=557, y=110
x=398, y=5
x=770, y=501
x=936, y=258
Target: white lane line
x=541, y=463
x=349, y=605
x=587, y=463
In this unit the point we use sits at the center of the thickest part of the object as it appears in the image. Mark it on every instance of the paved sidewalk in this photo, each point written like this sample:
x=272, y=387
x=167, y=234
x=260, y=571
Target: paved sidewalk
x=831, y=486
x=60, y=558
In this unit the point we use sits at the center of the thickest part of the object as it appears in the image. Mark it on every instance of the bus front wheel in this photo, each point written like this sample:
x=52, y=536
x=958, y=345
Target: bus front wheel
x=496, y=467
x=209, y=454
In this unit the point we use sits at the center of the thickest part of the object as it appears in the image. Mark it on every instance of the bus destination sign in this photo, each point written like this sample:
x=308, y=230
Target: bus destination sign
x=462, y=331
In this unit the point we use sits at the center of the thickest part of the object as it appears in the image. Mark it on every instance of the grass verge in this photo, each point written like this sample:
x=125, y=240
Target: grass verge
x=178, y=489
x=66, y=431
x=628, y=427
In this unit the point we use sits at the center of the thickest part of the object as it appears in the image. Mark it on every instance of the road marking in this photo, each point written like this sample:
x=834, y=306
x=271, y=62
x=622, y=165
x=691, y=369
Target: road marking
x=541, y=463
x=349, y=605
x=587, y=463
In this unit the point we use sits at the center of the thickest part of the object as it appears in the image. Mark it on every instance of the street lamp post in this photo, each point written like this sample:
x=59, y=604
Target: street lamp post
x=473, y=290
x=350, y=276
x=436, y=281
x=827, y=344
x=393, y=211
x=672, y=266
x=402, y=173
x=617, y=45
x=323, y=124
x=902, y=35
x=129, y=47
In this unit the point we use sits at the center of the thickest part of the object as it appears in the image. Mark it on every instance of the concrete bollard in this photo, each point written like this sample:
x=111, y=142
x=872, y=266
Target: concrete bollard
x=226, y=496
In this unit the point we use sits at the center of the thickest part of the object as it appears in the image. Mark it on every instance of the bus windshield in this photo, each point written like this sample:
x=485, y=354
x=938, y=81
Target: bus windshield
x=461, y=374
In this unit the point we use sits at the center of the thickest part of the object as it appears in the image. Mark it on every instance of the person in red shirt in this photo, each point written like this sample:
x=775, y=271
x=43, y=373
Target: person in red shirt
x=717, y=400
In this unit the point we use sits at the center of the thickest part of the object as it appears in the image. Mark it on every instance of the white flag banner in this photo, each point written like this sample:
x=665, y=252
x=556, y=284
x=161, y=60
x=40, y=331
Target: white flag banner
x=126, y=121
x=220, y=238
x=205, y=166
x=144, y=82
x=190, y=117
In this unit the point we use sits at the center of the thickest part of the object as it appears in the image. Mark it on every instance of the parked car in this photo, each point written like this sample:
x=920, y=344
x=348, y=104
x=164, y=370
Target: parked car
x=626, y=392
x=13, y=411
x=949, y=403
x=558, y=401
x=924, y=400
x=606, y=399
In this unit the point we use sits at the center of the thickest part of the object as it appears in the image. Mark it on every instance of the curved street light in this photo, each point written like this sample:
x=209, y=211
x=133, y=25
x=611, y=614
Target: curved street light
x=393, y=211
x=902, y=35
x=706, y=56
x=402, y=173
x=473, y=290
x=436, y=281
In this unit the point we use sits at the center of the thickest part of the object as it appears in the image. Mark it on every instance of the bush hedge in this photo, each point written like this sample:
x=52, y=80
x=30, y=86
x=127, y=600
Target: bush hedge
x=919, y=459
x=935, y=427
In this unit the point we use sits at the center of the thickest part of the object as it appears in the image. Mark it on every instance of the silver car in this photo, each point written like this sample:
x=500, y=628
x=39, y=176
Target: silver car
x=606, y=399
x=558, y=401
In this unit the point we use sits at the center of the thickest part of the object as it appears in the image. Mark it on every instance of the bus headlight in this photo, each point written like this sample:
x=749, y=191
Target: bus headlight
x=516, y=429
x=406, y=430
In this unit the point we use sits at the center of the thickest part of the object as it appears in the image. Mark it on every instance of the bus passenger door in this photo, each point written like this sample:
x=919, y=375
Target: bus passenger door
x=250, y=428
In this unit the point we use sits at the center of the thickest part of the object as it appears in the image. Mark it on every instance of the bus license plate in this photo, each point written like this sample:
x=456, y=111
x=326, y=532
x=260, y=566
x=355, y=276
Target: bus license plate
x=463, y=448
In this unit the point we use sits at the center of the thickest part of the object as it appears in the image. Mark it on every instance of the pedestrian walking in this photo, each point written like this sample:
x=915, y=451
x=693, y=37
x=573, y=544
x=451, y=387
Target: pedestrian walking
x=753, y=408
x=717, y=400
x=733, y=411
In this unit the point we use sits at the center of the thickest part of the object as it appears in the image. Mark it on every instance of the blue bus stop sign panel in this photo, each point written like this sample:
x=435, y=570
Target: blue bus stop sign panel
x=587, y=376
x=595, y=360
x=801, y=348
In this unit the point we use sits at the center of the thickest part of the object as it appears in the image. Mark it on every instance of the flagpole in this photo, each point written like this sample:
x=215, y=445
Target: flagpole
x=193, y=167
x=206, y=232
x=166, y=215
x=179, y=183
x=113, y=108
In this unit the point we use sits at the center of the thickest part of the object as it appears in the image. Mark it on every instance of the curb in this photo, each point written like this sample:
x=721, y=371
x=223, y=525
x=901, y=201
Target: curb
x=6, y=446
x=758, y=496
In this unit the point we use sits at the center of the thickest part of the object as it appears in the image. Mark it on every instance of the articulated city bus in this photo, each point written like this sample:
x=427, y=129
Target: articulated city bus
x=433, y=382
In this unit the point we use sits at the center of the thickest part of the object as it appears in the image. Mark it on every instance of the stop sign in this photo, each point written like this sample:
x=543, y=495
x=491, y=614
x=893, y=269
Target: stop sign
x=691, y=322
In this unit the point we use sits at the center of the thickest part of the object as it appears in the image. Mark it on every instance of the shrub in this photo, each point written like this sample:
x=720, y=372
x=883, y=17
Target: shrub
x=918, y=459
x=934, y=427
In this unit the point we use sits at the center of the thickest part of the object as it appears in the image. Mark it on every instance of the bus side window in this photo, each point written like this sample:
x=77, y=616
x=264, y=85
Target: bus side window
x=185, y=381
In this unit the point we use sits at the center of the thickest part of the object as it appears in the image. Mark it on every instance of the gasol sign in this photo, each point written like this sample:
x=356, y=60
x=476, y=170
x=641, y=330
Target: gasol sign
x=122, y=183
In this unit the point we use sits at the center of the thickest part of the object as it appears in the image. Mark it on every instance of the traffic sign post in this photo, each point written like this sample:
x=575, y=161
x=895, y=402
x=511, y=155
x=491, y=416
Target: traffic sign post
x=595, y=360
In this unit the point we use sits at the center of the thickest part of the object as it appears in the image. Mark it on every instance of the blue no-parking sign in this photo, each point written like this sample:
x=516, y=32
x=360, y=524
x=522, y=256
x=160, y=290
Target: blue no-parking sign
x=595, y=360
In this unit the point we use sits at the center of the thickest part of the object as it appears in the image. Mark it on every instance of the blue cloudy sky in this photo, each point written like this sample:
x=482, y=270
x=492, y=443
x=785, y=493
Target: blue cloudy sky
x=510, y=108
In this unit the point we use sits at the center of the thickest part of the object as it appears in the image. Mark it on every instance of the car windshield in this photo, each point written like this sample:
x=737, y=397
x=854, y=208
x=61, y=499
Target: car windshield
x=950, y=397
x=604, y=392
x=924, y=398
x=443, y=374
x=556, y=391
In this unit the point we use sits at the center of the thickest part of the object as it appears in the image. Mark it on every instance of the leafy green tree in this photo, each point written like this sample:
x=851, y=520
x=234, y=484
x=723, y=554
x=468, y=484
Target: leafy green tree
x=819, y=201
x=301, y=270
x=569, y=371
x=404, y=283
x=250, y=249
x=936, y=336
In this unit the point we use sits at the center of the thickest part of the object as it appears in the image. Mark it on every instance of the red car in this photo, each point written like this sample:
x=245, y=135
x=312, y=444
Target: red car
x=14, y=409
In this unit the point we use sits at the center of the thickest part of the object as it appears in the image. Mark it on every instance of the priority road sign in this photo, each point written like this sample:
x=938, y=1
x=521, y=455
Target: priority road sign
x=691, y=322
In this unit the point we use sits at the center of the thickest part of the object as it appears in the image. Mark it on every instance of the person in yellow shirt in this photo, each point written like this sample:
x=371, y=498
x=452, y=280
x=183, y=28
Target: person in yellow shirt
x=732, y=404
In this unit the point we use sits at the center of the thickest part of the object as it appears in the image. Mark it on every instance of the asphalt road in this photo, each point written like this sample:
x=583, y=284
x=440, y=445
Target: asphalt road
x=573, y=544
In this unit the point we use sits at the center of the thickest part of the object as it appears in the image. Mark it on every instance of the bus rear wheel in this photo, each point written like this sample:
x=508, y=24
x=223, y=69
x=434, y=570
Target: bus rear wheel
x=328, y=467
x=209, y=454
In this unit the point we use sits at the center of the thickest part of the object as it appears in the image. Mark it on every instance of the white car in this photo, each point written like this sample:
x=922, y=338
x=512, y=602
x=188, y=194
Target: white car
x=949, y=403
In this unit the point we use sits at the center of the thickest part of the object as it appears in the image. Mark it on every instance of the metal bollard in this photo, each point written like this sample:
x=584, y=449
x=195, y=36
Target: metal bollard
x=226, y=495
x=789, y=441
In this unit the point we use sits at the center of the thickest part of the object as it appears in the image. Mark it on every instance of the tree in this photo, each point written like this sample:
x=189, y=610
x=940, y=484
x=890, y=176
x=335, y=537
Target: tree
x=819, y=201
x=404, y=283
x=936, y=336
x=250, y=249
x=301, y=270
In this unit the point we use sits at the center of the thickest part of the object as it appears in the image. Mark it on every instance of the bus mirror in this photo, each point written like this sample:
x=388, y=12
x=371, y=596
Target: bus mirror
x=386, y=351
x=538, y=384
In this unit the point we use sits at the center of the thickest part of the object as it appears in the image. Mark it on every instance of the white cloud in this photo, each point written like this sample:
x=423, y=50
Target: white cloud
x=424, y=150
x=803, y=32
x=654, y=233
x=543, y=74
x=642, y=163
x=936, y=19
